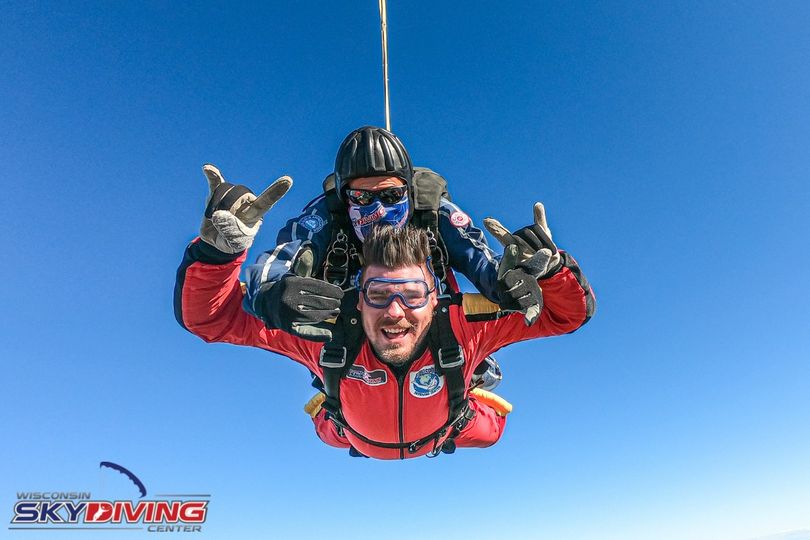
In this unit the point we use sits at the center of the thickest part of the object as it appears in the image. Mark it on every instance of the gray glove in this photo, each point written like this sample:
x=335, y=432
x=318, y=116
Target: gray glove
x=233, y=214
x=538, y=255
x=517, y=290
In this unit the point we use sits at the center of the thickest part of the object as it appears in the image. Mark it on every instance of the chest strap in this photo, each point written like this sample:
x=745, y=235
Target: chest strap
x=338, y=355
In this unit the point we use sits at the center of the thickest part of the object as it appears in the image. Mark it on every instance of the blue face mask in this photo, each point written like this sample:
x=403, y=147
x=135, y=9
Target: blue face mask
x=363, y=218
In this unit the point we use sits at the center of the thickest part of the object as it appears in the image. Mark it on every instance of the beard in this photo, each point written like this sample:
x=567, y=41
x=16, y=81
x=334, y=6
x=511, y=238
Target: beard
x=399, y=356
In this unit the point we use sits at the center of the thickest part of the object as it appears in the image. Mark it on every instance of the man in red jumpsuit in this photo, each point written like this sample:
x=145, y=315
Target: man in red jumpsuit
x=396, y=397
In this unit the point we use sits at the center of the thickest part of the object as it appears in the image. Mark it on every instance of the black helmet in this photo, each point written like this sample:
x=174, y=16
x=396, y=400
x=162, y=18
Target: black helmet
x=371, y=151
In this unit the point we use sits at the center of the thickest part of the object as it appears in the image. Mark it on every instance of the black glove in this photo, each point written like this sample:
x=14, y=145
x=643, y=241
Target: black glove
x=300, y=305
x=518, y=290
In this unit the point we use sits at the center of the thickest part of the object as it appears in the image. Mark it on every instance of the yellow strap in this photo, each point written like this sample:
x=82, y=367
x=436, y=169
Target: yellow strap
x=477, y=304
x=501, y=406
x=313, y=406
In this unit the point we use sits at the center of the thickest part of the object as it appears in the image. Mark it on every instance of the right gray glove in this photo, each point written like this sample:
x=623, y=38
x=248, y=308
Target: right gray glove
x=518, y=290
x=538, y=255
x=529, y=254
x=233, y=214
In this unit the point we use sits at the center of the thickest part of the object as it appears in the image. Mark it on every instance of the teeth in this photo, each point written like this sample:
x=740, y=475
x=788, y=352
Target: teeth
x=394, y=330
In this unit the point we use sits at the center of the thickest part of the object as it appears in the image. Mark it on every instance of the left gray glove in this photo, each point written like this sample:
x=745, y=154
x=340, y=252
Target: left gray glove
x=233, y=214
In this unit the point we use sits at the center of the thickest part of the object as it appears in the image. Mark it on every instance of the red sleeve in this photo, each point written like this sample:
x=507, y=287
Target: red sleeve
x=208, y=303
x=568, y=303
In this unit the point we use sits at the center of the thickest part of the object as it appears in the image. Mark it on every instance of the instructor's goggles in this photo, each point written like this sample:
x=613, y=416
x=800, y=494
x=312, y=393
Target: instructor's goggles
x=364, y=197
x=413, y=293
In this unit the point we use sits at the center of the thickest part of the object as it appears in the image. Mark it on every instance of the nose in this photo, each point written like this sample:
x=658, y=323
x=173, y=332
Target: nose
x=395, y=309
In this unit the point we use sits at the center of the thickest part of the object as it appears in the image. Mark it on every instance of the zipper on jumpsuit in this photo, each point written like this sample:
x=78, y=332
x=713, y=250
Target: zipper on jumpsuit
x=400, y=382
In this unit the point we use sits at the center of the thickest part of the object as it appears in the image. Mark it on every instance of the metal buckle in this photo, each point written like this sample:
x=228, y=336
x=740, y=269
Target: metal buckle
x=328, y=362
x=456, y=352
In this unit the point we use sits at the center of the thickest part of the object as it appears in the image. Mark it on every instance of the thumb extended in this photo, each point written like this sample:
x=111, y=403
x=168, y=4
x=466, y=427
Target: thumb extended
x=304, y=263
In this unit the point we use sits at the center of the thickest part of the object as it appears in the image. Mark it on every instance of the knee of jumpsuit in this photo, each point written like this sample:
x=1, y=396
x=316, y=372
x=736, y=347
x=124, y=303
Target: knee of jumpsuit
x=327, y=432
x=484, y=429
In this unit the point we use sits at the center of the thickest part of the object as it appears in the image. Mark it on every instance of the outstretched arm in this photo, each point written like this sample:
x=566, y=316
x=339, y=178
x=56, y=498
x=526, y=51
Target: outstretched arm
x=555, y=296
x=207, y=302
x=208, y=293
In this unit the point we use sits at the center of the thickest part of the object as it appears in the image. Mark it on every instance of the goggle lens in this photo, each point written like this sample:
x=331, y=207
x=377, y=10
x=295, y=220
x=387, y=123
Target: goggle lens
x=413, y=293
x=364, y=197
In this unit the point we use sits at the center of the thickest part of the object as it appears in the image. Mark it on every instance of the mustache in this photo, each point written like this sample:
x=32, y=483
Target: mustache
x=394, y=323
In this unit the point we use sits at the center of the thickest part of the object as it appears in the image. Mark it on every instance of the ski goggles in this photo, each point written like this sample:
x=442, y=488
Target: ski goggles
x=364, y=197
x=413, y=293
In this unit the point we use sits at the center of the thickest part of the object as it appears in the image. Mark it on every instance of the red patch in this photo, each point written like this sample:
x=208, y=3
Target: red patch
x=459, y=219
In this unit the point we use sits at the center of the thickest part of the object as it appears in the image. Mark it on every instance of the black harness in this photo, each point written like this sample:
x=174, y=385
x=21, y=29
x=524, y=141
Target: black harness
x=343, y=257
x=342, y=261
x=338, y=355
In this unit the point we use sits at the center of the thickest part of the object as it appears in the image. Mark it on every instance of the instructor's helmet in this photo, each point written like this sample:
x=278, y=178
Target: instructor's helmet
x=371, y=151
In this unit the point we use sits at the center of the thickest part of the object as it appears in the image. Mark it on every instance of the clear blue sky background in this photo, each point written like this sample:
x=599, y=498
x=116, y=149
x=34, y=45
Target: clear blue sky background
x=669, y=142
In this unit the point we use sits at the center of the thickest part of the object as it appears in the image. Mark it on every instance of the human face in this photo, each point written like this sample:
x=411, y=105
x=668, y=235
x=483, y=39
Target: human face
x=395, y=332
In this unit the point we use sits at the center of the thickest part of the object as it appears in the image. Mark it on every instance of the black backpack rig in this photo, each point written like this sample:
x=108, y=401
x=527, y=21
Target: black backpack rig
x=344, y=256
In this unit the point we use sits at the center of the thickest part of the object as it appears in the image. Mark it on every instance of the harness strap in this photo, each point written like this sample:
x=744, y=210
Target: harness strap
x=449, y=357
x=338, y=355
x=338, y=264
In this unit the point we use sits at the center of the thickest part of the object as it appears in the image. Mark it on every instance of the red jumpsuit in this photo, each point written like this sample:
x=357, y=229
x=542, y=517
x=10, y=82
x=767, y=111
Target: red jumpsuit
x=375, y=402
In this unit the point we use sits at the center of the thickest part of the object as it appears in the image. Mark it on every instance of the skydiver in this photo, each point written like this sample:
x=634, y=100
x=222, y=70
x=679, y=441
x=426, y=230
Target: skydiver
x=408, y=336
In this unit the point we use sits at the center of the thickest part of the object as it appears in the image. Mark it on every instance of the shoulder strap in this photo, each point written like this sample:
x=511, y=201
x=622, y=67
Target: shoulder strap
x=449, y=359
x=428, y=190
x=342, y=256
x=339, y=354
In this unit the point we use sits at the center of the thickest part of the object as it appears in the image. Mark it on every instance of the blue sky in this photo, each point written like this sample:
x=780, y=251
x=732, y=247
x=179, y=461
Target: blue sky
x=668, y=142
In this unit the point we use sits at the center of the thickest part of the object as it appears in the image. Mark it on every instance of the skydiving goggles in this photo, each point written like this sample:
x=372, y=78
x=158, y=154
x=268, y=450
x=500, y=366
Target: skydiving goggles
x=363, y=197
x=380, y=292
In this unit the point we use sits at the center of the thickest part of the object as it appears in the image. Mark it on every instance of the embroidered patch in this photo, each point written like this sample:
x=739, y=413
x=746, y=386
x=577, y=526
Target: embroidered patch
x=312, y=222
x=426, y=382
x=459, y=219
x=372, y=378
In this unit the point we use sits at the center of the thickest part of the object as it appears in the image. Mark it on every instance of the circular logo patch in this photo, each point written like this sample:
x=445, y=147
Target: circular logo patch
x=426, y=382
x=312, y=222
x=459, y=219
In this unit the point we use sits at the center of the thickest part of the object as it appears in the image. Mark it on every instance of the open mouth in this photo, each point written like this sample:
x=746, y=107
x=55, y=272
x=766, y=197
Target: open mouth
x=395, y=333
